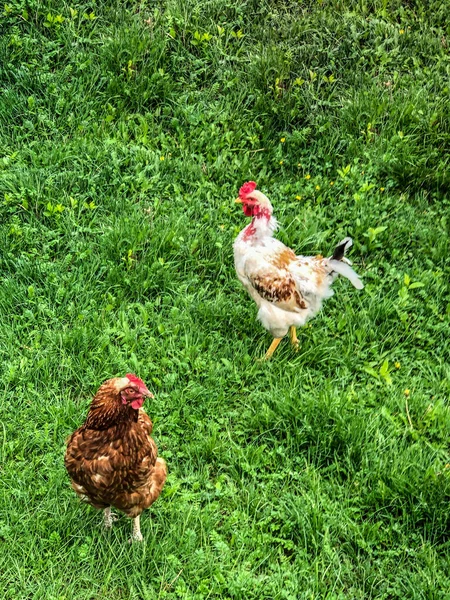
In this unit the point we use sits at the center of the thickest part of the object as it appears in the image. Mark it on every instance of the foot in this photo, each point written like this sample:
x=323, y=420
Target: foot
x=273, y=346
x=294, y=339
x=136, y=537
x=109, y=518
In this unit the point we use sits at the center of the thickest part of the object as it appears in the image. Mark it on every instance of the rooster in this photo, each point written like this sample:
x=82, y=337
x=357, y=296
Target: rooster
x=112, y=459
x=288, y=289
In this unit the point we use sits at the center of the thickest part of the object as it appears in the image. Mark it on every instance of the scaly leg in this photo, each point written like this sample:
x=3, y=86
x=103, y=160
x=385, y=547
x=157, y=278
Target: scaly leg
x=108, y=518
x=137, y=535
x=273, y=346
x=294, y=338
x=156, y=484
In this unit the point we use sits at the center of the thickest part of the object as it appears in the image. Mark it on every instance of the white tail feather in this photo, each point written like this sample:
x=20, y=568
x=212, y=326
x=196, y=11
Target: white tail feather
x=348, y=243
x=346, y=271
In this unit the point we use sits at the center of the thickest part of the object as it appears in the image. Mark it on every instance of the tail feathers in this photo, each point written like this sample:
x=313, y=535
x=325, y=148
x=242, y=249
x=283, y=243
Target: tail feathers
x=346, y=271
x=341, y=248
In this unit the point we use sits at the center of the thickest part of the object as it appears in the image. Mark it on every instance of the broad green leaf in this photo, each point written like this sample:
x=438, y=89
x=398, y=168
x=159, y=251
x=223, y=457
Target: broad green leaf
x=416, y=284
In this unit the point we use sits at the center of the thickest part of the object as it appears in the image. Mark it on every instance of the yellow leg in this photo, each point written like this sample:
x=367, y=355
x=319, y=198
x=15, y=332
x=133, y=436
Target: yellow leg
x=294, y=338
x=273, y=346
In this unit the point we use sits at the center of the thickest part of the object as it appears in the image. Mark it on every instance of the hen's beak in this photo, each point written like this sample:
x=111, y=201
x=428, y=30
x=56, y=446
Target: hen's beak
x=146, y=392
x=238, y=201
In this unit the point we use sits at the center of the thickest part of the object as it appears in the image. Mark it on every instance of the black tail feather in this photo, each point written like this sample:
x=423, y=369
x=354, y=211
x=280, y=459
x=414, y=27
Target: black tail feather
x=341, y=248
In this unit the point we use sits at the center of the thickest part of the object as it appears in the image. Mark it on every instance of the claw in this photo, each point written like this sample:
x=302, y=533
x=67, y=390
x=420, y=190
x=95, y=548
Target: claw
x=294, y=340
x=109, y=518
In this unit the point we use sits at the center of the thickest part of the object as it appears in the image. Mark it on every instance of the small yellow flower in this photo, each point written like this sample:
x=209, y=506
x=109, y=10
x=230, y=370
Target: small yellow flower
x=281, y=162
x=317, y=187
x=283, y=140
x=299, y=165
x=298, y=197
x=407, y=392
x=381, y=189
x=308, y=176
x=162, y=158
x=402, y=31
x=222, y=227
x=331, y=182
x=397, y=365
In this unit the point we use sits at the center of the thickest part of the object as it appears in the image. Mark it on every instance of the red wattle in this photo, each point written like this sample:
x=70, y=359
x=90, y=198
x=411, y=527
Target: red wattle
x=136, y=404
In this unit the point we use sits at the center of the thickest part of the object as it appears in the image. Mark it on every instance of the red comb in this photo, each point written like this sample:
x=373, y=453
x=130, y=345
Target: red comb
x=136, y=380
x=246, y=189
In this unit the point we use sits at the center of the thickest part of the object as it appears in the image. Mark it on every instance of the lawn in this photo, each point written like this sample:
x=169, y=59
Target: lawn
x=126, y=129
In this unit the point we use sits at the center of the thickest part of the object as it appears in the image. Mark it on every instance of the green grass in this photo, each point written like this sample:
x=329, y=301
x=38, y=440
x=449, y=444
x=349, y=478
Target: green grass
x=313, y=476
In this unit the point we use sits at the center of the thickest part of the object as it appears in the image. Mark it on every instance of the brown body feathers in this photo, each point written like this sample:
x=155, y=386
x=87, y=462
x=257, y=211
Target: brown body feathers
x=112, y=459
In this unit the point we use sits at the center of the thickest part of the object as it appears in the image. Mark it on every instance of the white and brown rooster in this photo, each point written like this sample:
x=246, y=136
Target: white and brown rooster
x=287, y=289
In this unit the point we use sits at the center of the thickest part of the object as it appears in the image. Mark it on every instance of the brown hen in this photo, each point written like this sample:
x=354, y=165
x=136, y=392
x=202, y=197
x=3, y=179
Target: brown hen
x=112, y=459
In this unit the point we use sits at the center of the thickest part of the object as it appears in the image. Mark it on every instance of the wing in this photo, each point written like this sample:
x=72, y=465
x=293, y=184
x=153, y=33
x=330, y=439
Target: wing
x=278, y=287
x=105, y=464
x=270, y=275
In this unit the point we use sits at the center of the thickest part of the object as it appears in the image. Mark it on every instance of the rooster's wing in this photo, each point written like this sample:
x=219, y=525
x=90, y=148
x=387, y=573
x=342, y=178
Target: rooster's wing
x=271, y=277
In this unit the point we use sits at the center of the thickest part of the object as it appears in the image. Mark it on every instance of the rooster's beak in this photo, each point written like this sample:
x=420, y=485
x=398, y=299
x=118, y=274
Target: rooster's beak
x=238, y=201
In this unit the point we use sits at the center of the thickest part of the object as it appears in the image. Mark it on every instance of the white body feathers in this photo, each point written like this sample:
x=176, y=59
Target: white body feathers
x=287, y=289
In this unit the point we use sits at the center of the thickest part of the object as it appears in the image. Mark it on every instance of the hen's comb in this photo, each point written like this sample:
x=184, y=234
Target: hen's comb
x=134, y=379
x=246, y=189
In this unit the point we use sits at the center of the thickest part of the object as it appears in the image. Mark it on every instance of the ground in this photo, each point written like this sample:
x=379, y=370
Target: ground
x=126, y=130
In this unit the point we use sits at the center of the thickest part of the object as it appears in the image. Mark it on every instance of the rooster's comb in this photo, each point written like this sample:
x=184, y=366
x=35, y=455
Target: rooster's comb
x=247, y=189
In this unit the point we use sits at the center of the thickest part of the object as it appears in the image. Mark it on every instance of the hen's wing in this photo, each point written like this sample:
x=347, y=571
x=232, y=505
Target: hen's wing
x=105, y=465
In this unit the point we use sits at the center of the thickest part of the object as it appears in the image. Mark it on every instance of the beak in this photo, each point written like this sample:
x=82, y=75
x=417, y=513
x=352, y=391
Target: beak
x=238, y=201
x=146, y=392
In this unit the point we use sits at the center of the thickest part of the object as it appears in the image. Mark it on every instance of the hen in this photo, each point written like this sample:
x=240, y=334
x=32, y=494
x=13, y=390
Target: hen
x=287, y=289
x=111, y=459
